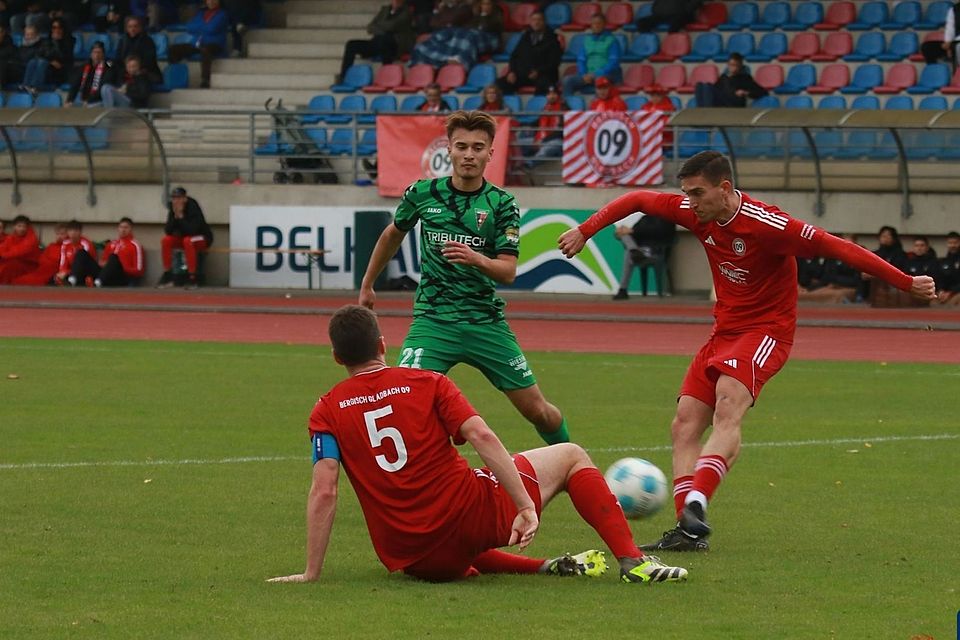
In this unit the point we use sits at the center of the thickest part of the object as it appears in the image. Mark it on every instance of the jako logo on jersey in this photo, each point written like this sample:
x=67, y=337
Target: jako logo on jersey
x=481, y=216
x=733, y=273
x=739, y=247
x=439, y=238
x=434, y=210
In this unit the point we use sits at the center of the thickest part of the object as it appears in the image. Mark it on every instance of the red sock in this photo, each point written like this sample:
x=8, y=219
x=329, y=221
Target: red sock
x=592, y=499
x=681, y=487
x=496, y=561
x=708, y=473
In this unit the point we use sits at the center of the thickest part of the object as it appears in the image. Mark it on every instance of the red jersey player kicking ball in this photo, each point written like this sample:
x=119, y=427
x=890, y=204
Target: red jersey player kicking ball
x=428, y=513
x=751, y=248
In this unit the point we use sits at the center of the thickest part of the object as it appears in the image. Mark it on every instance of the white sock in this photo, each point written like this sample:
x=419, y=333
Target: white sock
x=696, y=496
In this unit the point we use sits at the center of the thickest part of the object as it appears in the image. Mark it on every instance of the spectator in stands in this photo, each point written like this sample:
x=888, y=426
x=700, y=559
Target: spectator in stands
x=209, y=28
x=922, y=260
x=20, y=250
x=608, y=97
x=74, y=243
x=121, y=265
x=73, y=13
x=62, y=42
x=458, y=40
x=109, y=17
x=951, y=38
x=48, y=262
x=548, y=140
x=435, y=101
x=493, y=100
x=31, y=15
x=135, y=42
x=536, y=60
x=423, y=11
x=599, y=58
x=948, y=276
x=393, y=36
x=186, y=229
x=243, y=13
x=34, y=54
x=90, y=78
x=731, y=89
x=488, y=20
x=10, y=68
x=156, y=14
x=659, y=101
x=132, y=89
x=647, y=242
x=890, y=248
x=675, y=13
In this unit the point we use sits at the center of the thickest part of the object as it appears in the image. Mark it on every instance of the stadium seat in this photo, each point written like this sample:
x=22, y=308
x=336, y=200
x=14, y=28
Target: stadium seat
x=899, y=103
x=933, y=36
x=692, y=141
x=635, y=103
x=742, y=43
x=357, y=76
x=34, y=138
x=160, y=41
x=518, y=17
x=933, y=103
x=770, y=46
x=805, y=15
x=348, y=107
x=835, y=46
x=798, y=102
x=761, y=143
x=905, y=14
x=49, y=100
x=871, y=16
x=865, y=102
x=637, y=77
x=741, y=16
x=108, y=44
x=480, y=76
x=534, y=105
x=799, y=77
x=902, y=45
x=380, y=104
x=766, y=102
x=576, y=103
x=701, y=73
x=619, y=14
x=865, y=78
x=368, y=143
x=471, y=103
x=574, y=47
x=829, y=142
x=899, y=77
x=674, y=46
x=417, y=78
x=318, y=135
x=832, y=102
x=933, y=78
x=504, y=56
x=868, y=46
x=920, y=145
x=453, y=102
x=954, y=87
x=710, y=16
x=935, y=16
x=642, y=47
x=802, y=47
x=412, y=103
x=80, y=52
x=319, y=103
x=859, y=144
x=672, y=76
x=387, y=78
x=20, y=100
x=175, y=76
x=582, y=12
x=451, y=76
x=774, y=15
x=838, y=16
x=341, y=142
x=832, y=78
x=557, y=14
x=706, y=46
x=769, y=76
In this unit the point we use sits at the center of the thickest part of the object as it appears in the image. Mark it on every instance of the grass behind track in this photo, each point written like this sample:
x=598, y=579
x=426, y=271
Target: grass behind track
x=820, y=539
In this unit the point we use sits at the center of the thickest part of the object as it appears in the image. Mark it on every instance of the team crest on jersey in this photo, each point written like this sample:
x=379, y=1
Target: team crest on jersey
x=739, y=247
x=512, y=234
x=481, y=217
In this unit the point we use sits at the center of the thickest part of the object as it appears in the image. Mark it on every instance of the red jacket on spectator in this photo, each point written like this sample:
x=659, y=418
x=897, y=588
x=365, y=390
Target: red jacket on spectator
x=611, y=101
x=18, y=255
x=46, y=268
x=549, y=126
x=665, y=105
x=68, y=250
x=130, y=253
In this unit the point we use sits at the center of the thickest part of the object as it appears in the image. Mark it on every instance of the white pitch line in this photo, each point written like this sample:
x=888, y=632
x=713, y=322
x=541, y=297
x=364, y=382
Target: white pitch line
x=242, y=460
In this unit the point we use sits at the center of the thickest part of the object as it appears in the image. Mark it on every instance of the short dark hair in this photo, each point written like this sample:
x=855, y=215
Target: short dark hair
x=74, y=224
x=127, y=220
x=19, y=219
x=712, y=165
x=472, y=121
x=922, y=239
x=953, y=234
x=354, y=334
x=736, y=56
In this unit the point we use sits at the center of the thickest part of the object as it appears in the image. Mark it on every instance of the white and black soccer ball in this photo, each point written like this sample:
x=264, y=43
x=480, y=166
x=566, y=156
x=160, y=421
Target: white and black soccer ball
x=638, y=485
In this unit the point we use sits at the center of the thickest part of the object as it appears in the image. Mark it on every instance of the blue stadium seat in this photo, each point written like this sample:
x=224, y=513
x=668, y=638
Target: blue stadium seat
x=645, y=10
x=383, y=104
x=33, y=138
x=865, y=78
x=319, y=103
x=162, y=43
x=935, y=17
x=761, y=143
x=574, y=46
x=901, y=46
x=677, y=104
x=766, y=102
x=859, y=144
x=771, y=45
x=80, y=52
x=692, y=141
x=829, y=142
x=318, y=135
x=774, y=15
x=357, y=76
x=871, y=16
x=742, y=15
x=706, y=46
x=557, y=14
x=576, y=103
x=479, y=77
x=805, y=15
x=175, y=76
x=932, y=78
x=634, y=103
x=933, y=103
x=951, y=148
x=341, y=142
x=452, y=101
x=20, y=101
x=868, y=46
x=920, y=145
x=832, y=102
x=905, y=15
x=798, y=102
x=642, y=47
x=108, y=43
x=348, y=107
x=886, y=148
x=472, y=103
x=865, y=102
x=368, y=143
x=535, y=103
x=512, y=103
x=512, y=40
x=49, y=100
x=899, y=103
x=742, y=43
x=799, y=77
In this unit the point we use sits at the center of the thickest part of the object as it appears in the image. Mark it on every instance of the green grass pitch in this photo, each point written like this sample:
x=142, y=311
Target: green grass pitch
x=123, y=518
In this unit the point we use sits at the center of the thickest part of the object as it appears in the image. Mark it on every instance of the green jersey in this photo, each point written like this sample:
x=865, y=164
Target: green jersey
x=487, y=220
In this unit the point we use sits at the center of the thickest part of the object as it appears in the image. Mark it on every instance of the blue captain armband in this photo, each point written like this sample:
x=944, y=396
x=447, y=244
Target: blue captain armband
x=324, y=446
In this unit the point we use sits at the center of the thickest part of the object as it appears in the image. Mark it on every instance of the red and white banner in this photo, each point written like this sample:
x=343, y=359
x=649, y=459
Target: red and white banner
x=613, y=147
x=411, y=148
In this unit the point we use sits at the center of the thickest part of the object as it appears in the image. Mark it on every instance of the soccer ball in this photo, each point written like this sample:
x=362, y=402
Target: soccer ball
x=638, y=485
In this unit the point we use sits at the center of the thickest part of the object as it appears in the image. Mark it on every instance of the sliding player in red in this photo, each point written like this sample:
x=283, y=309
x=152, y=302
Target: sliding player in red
x=752, y=249
x=428, y=513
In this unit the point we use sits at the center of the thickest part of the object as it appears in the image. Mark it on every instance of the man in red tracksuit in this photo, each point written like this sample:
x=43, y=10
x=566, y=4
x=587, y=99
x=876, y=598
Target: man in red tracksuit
x=19, y=251
x=49, y=261
x=74, y=243
x=122, y=263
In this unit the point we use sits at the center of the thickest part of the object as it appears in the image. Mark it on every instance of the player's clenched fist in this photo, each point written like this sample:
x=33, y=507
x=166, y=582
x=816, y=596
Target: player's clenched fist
x=571, y=242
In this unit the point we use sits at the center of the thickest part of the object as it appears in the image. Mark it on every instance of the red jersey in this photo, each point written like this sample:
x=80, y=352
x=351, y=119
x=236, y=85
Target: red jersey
x=394, y=428
x=752, y=258
x=68, y=250
x=130, y=254
x=25, y=247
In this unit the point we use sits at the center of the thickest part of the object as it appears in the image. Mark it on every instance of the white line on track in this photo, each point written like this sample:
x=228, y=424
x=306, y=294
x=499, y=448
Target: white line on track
x=243, y=460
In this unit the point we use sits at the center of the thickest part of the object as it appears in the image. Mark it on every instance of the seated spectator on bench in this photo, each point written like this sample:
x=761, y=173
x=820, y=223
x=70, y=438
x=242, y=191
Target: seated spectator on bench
x=74, y=243
x=186, y=229
x=599, y=58
x=535, y=62
x=34, y=55
x=48, y=262
x=121, y=265
x=948, y=274
x=922, y=260
x=608, y=97
x=19, y=251
x=137, y=43
x=461, y=35
x=61, y=48
x=133, y=89
x=648, y=241
x=209, y=28
x=890, y=248
x=393, y=36
x=828, y=279
x=731, y=89
x=89, y=79
x=109, y=16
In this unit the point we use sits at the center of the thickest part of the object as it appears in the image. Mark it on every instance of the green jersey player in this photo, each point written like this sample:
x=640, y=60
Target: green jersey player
x=469, y=242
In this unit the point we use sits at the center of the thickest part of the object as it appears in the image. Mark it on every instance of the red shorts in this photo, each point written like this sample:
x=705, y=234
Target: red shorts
x=484, y=526
x=751, y=358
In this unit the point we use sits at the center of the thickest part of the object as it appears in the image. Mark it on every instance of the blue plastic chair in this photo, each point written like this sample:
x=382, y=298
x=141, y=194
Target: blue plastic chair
x=935, y=17
x=317, y=135
x=20, y=101
x=162, y=43
x=452, y=101
x=33, y=138
x=272, y=146
x=512, y=103
x=805, y=15
x=176, y=76
x=865, y=102
x=80, y=52
x=677, y=104
x=319, y=103
x=557, y=14
x=574, y=47
x=859, y=144
x=634, y=103
x=534, y=104
x=932, y=78
x=920, y=145
x=901, y=46
x=479, y=77
x=797, y=144
x=105, y=38
x=576, y=103
x=867, y=47
x=504, y=56
x=742, y=43
x=412, y=103
x=906, y=14
x=341, y=143
x=692, y=141
x=871, y=16
x=798, y=102
x=933, y=103
x=865, y=78
x=706, y=46
x=899, y=103
x=766, y=102
x=829, y=142
x=383, y=104
x=832, y=102
x=774, y=15
x=741, y=16
x=770, y=46
x=642, y=47
x=49, y=100
x=886, y=148
x=761, y=143
x=368, y=143
x=349, y=106
x=472, y=103
x=799, y=77
x=357, y=76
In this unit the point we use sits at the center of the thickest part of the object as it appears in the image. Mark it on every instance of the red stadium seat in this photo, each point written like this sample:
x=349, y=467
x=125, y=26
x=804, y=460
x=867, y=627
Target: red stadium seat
x=933, y=36
x=954, y=86
x=672, y=76
x=619, y=14
x=675, y=45
x=519, y=17
x=418, y=77
x=700, y=73
x=899, y=77
x=832, y=78
x=835, y=46
x=451, y=76
x=769, y=76
x=582, y=12
x=802, y=47
x=637, y=77
x=388, y=78
x=709, y=16
x=838, y=15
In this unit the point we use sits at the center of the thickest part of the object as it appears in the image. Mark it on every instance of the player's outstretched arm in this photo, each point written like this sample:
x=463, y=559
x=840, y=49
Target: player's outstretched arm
x=922, y=287
x=386, y=247
x=321, y=508
x=495, y=456
x=649, y=202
